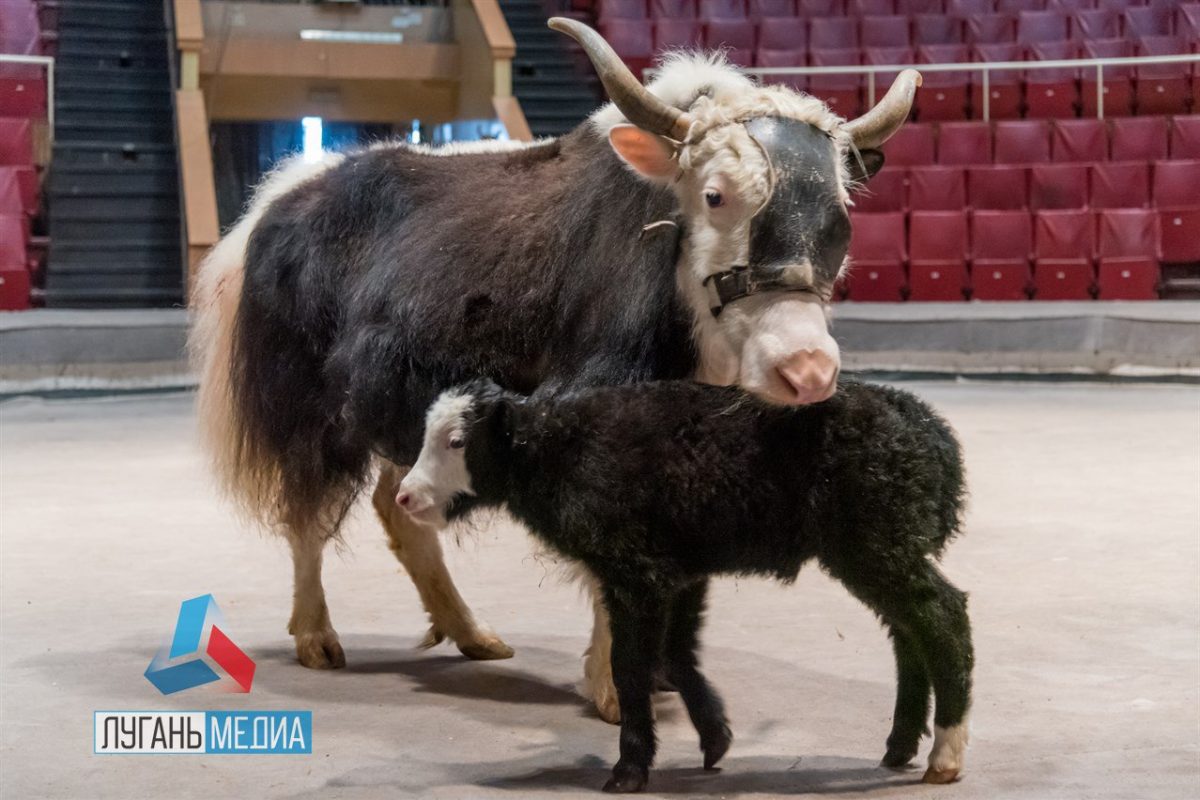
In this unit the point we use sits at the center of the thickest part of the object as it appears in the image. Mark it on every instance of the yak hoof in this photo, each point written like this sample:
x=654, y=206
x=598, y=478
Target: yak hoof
x=320, y=650
x=715, y=747
x=627, y=780
x=485, y=647
x=940, y=776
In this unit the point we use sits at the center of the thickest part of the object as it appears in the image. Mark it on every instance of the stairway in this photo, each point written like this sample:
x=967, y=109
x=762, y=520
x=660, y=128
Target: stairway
x=113, y=187
x=550, y=75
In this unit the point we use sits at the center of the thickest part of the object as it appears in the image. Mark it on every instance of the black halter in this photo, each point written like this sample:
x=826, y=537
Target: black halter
x=742, y=281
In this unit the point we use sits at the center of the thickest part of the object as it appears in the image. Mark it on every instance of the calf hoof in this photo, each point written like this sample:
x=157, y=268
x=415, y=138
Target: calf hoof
x=940, y=776
x=898, y=757
x=627, y=780
x=320, y=650
x=716, y=745
x=485, y=647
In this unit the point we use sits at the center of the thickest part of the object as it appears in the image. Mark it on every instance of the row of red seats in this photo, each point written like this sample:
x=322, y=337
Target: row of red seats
x=1166, y=184
x=22, y=86
x=1013, y=255
x=891, y=30
x=1037, y=141
x=1146, y=12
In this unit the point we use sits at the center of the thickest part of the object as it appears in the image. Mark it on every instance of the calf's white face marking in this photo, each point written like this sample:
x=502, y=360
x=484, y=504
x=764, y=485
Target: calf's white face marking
x=441, y=469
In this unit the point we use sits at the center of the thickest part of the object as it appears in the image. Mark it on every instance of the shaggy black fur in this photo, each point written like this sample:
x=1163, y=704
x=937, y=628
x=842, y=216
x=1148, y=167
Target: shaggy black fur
x=658, y=486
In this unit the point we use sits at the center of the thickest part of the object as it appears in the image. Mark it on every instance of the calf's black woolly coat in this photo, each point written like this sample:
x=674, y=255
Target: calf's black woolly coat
x=657, y=487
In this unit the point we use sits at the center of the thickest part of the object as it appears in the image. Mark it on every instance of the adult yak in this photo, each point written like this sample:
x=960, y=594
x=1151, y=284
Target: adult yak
x=692, y=229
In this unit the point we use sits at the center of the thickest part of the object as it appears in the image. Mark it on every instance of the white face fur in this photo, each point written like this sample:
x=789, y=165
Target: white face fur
x=441, y=469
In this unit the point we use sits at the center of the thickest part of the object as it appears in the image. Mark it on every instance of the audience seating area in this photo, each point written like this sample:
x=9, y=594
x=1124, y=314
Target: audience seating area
x=22, y=104
x=1070, y=209
x=794, y=33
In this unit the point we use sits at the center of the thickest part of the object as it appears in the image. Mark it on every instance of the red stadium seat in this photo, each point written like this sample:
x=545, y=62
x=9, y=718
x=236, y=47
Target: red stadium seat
x=1022, y=142
x=912, y=145
x=999, y=188
x=1064, y=245
x=622, y=9
x=772, y=9
x=1054, y=93
x=10, y=194
x=1185, y=137
x=1120, y=184
x=937, y=189
x=936, y=29
x=877, y=256
x=943, y=95
x=1095, y=23
x=882, y=56
x=1078, y=140
x=16, y=142
x=1147, y=21
x=1177, y=185
x=1187, y=21
x=673, y=9
x=887, y=191
x=1058, y=186
x=869, y=8
x=734, y=36
x=1069, y=6
x=911, y=7
x=1178, y=241
x=965, y=143
x=885, y=32
x=937, y=248
x=841, y=92
x=1118, y=81
x=722, y=9
x=1162, y=88
x=1017, y=6
x=783, y=58
x=819, y=8
x=1004, y=86
x=833, y=33
x=1001, y=243
x=1117, y=5
x=632, y=40
x=13, y=235
x=1042, y=26
x=22, y=183
x=1128, y=266
x=1139, y=139
x=969, y=8
x=991, y=28
x=783, y=33
x=674, y=34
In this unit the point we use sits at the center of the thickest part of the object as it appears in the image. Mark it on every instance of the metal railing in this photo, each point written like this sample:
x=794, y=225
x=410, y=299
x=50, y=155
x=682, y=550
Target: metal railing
x=986, y=68
x=48, y=63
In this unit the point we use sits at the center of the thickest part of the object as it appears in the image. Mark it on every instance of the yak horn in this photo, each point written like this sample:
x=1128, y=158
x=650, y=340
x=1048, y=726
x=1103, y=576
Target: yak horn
x=626, y=91
x=877, y=125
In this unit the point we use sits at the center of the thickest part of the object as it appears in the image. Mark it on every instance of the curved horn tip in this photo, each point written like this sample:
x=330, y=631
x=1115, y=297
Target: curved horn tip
x=559, y=23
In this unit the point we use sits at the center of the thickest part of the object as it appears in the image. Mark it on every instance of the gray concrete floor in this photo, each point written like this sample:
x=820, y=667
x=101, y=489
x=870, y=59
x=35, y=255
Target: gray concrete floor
x=1082, y=556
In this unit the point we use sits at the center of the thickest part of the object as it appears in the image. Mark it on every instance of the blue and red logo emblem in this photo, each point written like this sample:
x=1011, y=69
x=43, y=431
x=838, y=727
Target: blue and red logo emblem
x=199, y=652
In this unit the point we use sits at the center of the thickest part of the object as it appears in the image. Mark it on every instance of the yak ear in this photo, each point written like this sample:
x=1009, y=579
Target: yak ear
x=501, y=418
x=648, y=153
x=872, y=162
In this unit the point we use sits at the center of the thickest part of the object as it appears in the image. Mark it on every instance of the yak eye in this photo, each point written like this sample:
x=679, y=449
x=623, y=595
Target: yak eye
x=455, y=443
x=713, y=199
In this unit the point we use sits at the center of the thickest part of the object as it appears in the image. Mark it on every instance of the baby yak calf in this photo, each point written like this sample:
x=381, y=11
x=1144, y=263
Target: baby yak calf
x=656, y=487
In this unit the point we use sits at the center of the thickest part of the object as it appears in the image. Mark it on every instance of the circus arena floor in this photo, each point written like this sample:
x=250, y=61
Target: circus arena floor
x=1081, y=555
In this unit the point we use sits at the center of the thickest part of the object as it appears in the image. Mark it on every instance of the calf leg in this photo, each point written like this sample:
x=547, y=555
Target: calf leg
x=917, y=601
x=317, y=644
x=912, y=702
x=680, y=652
x=420, y=551
x=637, y=621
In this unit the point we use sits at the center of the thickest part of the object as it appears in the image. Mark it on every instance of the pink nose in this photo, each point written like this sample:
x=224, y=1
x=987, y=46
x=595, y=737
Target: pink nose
x=403, y=499
x=811, y=375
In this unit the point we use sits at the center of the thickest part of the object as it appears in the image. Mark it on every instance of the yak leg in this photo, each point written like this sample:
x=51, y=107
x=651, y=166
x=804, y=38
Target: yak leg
x=317, y=644
x=597, y=665
x=419, y=550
